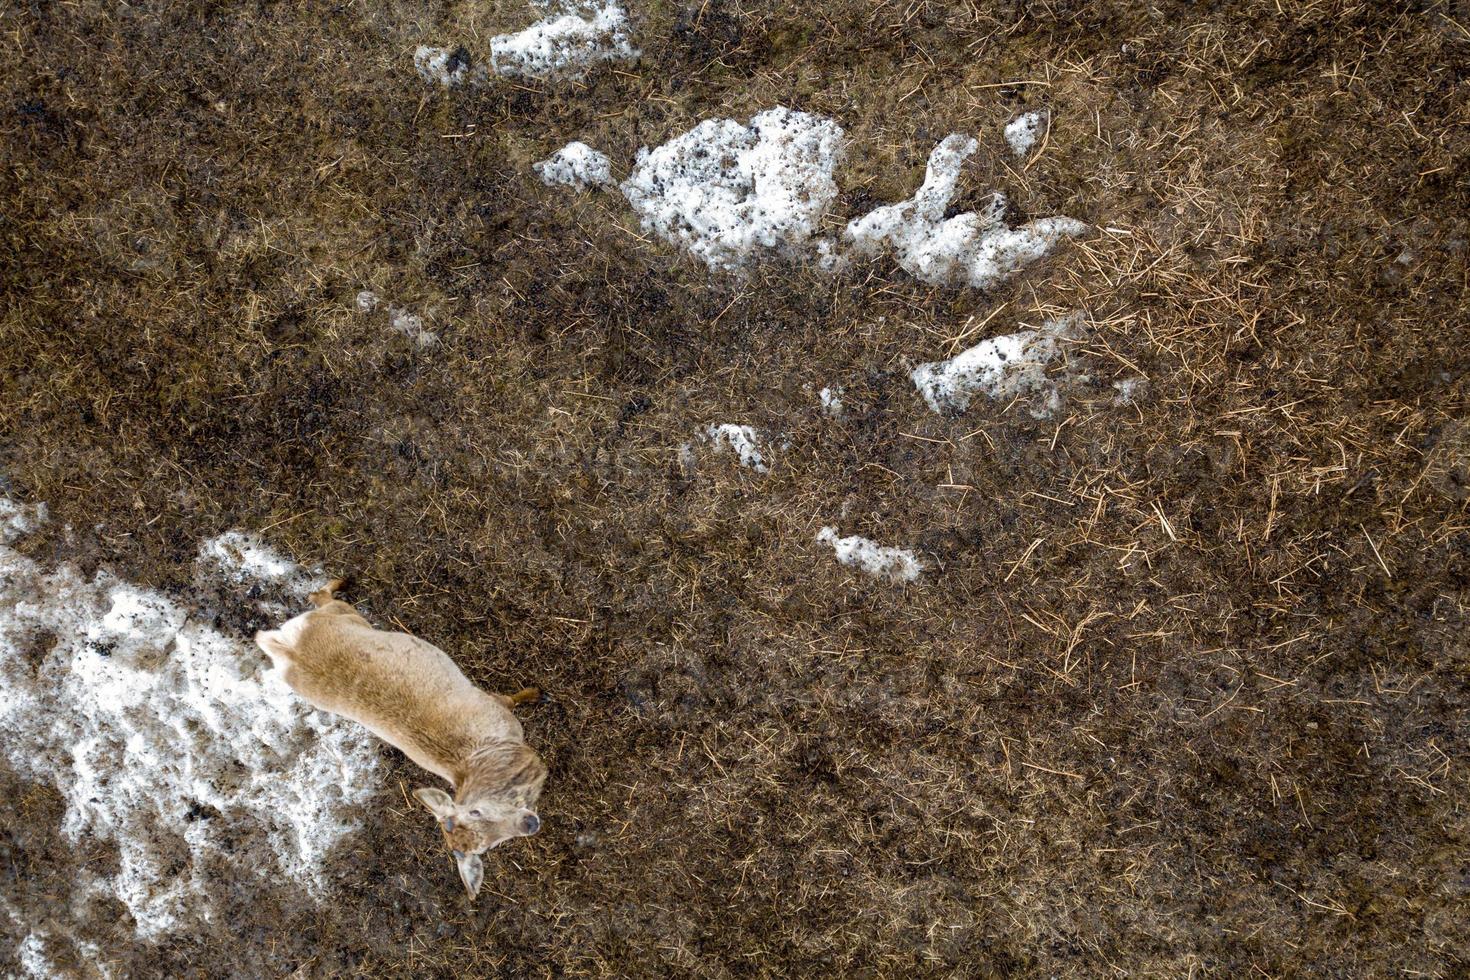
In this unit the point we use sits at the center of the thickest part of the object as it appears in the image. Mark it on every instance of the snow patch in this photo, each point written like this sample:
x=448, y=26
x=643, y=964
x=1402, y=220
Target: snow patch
x=411, y=325
x=244, y=556
x=1022, y=132
x=1128, y=390
x=831, y=401
x=1005, y=367
x=172, y=740
x=576, y=165
x=238, y=558
x=450, y=67
x=730, y=193
x=31, y=952
x=566, y=46
x=830, y=256
x=742, y=440
x=895, y=564
x=404, y=321
x=972, y=248
x=18, y=519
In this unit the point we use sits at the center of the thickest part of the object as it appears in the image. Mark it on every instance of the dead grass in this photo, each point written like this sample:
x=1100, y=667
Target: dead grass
x=1184, y=689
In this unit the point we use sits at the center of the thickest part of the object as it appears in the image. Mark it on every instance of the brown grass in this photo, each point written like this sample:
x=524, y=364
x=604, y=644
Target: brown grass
x=1183, y=692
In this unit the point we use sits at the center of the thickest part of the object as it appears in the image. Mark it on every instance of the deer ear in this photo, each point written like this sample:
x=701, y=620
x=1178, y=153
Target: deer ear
x=440, y=803
x=472, y=873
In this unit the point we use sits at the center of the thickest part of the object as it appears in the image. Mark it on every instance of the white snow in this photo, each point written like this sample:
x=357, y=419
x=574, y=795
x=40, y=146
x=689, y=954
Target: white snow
x=970, y=248
x=730, y=193
x=404, y=321
x=1021, y=133
x=244, y=556
x=742, y=440
x=236, y=557
x=831, y=401
x=830, y=256
x=411, y=325
x=896, y=564
x=565, y=46
x=577, y=165
x=172, y=740
x=1128, y=389
x=17, y=519
x=1003, y=368
x=445, y=66
x=31, y=953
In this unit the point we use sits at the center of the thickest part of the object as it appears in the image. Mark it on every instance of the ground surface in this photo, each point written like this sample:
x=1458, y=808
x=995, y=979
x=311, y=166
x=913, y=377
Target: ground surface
x=1183, y=691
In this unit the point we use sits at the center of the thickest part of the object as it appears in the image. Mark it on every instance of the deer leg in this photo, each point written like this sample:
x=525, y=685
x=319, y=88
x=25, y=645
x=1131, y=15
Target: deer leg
x=523, y=696
x=325, y=594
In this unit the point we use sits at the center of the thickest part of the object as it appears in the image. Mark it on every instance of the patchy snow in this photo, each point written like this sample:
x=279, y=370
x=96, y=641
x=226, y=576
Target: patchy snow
x=730, y=193
x=239, y=558
x=31, y=954
x=1005, y=367
x=172, y=740
x=411, y=325
x=404, y=321
x=576, y=165
x=895, y=564
x=831, y=401
x=1023, y=131
x=968, y=249
x=242, y=556
x=449, y=67
x=1128, y=389
x=830, y=256
x=18, y=519
x=742, y=440
x=565, y=46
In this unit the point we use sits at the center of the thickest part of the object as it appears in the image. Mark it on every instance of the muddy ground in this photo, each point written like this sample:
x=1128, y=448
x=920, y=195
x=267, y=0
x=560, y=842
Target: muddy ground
x=1183, y=691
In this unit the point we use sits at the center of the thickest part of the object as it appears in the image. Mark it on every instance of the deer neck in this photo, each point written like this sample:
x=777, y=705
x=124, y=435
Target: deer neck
x=483, y=767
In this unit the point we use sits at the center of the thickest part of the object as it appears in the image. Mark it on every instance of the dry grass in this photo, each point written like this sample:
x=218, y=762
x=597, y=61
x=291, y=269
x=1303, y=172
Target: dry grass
x=1183, y=691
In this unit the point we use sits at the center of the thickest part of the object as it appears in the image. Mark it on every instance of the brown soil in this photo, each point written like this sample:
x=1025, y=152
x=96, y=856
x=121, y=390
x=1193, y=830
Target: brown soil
x=1184, y=692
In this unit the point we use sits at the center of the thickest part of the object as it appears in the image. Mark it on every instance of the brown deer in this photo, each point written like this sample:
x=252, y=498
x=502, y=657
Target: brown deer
x=410, y=694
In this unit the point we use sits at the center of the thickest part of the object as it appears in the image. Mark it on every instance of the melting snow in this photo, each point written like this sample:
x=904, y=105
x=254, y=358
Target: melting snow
x=562, y=46
x=577, y=165
x=236, y=557
x=742, y=440
x=730, y=193
x=410, y=324
x=243, y=556
x=445, y=66
x=31, y=953
x=971, y=248
x=1002, y=368
x=565, y=46
x=17, y=519
x=1021, y=132
x=171, y=739
x=896, y=564
x=1127, y=389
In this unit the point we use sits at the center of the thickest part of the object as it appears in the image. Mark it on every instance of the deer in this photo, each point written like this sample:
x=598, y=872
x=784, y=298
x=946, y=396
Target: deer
x=410, y=694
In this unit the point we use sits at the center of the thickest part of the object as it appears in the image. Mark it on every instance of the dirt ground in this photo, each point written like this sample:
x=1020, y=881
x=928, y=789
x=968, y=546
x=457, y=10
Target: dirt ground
x=1183, y=691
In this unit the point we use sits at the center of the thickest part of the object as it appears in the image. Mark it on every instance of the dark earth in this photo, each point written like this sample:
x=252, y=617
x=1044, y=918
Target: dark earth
x=1183, y=691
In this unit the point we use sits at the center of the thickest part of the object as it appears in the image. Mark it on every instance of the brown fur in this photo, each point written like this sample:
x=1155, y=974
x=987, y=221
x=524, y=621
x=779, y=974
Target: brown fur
x=410, y=694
